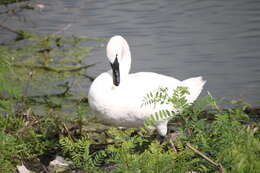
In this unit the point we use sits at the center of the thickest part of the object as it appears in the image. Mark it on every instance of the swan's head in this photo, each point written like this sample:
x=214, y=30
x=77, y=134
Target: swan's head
x=118, y=53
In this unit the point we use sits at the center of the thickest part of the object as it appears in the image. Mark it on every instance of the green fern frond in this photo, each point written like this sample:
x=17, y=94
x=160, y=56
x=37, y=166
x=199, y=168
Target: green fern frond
x=177, y=100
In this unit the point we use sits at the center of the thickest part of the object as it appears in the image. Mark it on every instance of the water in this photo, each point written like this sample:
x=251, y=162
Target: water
x=219, y=40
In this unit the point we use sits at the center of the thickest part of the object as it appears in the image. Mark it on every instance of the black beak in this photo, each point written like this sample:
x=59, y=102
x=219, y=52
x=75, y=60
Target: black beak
x=116, y=73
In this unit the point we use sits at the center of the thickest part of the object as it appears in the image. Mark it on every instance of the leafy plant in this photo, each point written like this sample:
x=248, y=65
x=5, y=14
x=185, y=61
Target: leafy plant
x=221, y=136
x=9, y=92
x=228, y=138
x=176, y=100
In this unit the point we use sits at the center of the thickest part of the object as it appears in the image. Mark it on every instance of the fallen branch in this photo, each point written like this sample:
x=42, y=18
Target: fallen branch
x=62, y=94
x=252, y=109
x=20, y=131
x=67, y=131
x=63, y=29
x=217, y=165
x=173, y=147
x=9, y=29
x=57, y=70
x=88, y=77
x=43, y=166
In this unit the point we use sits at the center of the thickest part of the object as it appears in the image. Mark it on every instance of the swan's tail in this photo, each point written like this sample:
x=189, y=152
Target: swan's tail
x=195, y=86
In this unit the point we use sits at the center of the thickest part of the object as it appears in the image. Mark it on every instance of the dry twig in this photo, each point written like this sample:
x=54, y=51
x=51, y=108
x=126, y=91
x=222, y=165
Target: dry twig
x=58, y=70
x=217, y=165
x=9, y=29
x=68, y=132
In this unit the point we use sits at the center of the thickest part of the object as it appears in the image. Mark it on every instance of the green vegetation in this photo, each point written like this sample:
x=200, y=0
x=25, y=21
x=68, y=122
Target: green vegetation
x=36, y=73
x=37, y=70
x=7, y=2
x=50, y=69
x=227, y=137
x=225, y=140
x=43, y=113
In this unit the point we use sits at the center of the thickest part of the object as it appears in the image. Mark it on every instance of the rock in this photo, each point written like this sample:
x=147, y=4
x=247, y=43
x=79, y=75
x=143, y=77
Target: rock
x=41, y=6
x=22, y=169
x=59, y=164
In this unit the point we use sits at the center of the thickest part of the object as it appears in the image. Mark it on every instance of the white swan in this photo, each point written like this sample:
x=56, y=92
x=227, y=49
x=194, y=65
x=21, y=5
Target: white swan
x=117, y=96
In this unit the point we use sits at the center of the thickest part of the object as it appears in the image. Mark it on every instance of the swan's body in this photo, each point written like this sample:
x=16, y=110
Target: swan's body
x=117, y=96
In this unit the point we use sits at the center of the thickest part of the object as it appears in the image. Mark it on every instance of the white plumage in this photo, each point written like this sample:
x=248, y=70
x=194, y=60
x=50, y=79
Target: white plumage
x=116, y=96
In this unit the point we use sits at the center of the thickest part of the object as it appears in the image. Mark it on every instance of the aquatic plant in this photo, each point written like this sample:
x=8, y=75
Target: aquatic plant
x=49, y=67
x=9, y=92
x=7, y=2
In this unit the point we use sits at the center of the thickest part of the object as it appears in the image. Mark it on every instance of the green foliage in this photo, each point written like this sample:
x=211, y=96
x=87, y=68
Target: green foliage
x=177, y=100
x=26, y=63
x=229, y=137
x=137, y=154
x=7, y=2
x=9, y=92
x=18, y=142
x=129, y=152
x=225, y=139
x=153, y=159
x=48, y=71
x=9, y=150
x=48, y=57
x=78, y=151
x=161, y=96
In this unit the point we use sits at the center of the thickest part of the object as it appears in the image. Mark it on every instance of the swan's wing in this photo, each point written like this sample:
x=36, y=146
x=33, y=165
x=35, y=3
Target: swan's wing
x=138, y=85
x=145, y=82
x=132, y=91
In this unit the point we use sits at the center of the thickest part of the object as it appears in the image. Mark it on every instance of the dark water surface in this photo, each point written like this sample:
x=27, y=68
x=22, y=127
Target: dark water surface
x=217, y=39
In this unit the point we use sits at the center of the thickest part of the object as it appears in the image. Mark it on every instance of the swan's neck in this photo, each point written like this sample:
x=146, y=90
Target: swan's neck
x=125, y=63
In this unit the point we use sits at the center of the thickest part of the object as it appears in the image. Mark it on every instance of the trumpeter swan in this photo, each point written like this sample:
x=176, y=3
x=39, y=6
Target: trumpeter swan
x=117, y=96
